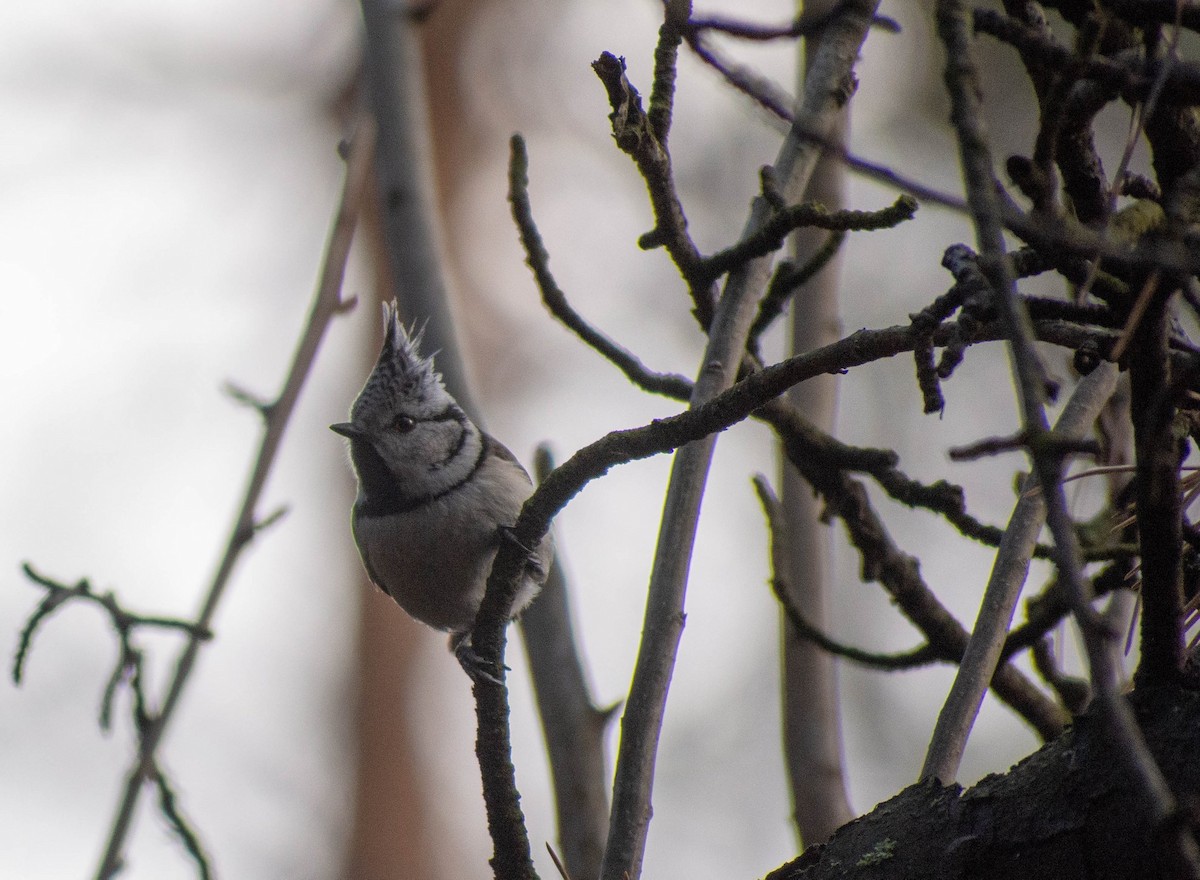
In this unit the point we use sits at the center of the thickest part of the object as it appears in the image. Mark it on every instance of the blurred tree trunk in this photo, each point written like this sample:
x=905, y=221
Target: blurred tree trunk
x=811, y=718
x=394, y=834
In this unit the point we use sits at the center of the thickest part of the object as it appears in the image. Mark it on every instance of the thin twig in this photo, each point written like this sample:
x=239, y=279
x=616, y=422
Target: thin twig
x=642, y=135
x=989, y=446
x=169, y=805
x=1135, y=314
x=642, y=722
x=573, y=726
x=562, y=869
x=58, y=594
x=962, y=83
x=862, y=347
x=982, y=656
x=788, y=278
x=761, y=90
x=812, y=215
x=883, y=562
x=327, y=304
x=806, y=25
x=124, y=622
x=556, y=301
x=921, y=656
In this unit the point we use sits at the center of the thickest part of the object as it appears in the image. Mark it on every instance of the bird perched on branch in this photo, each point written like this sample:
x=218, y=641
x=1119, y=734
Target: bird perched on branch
x=436, y=495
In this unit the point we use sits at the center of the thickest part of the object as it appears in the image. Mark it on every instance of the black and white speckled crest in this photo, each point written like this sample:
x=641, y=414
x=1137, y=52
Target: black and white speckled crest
x=403, y=381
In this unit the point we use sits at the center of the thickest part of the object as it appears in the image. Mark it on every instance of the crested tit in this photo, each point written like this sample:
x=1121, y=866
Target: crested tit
x=435, y=494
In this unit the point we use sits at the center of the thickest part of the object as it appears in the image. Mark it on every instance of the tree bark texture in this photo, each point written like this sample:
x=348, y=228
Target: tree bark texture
x=1067, y=811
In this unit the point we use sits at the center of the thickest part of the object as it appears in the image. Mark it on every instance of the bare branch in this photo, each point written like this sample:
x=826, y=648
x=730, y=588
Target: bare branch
x=123, y=621
x=1134, y=81
x=556, y=301
x=811, y=214
x=982, y=655
x=899, y=574
x=825, y=93
x=814, y=756
x=806, y=25
x=1159, y=450
x=1129, y=745
x=573, y=726
x=788, y=278
x=168, y=802
x=327, y=303
x=639, y=136
x=922, y=656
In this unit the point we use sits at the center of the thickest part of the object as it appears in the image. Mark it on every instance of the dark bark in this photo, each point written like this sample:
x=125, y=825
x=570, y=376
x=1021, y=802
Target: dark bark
x=1067, y=811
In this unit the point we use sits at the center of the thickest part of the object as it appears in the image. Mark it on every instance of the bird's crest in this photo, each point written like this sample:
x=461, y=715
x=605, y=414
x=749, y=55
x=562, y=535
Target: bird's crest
x=402, y=378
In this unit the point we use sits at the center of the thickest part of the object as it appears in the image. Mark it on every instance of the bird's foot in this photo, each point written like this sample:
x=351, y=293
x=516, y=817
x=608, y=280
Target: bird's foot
x=533, y=560
x=476, y=668
x=509, y=534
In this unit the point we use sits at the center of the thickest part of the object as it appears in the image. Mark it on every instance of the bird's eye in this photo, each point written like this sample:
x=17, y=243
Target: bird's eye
x=403, y=424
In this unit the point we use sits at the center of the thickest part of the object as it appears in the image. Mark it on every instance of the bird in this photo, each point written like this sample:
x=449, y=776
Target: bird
x=436, y=495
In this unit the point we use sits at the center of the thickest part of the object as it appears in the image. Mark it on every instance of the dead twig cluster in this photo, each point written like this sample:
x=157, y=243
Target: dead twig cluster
x=1102, y=321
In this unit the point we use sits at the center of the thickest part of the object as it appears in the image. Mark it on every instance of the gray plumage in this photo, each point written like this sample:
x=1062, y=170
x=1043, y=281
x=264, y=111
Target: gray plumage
x=434, y=492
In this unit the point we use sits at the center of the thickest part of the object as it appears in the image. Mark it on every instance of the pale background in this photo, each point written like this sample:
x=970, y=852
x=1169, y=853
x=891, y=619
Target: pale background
x=167, y=171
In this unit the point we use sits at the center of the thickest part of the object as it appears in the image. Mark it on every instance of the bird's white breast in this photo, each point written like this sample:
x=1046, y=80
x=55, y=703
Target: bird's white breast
x=434, y=560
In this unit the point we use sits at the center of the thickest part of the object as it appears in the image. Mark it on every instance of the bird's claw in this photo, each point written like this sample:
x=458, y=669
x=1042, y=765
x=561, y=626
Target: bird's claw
x=509, y=534
x=533, y=562
x=476, y=668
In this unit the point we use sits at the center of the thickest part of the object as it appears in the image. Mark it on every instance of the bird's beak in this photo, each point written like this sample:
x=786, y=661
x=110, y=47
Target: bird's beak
x=346, y=429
